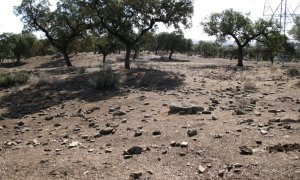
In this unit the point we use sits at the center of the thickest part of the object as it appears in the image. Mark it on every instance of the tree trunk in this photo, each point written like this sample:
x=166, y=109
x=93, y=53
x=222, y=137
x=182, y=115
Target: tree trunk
x=127, y=58
x=240, y=56
x=171, y=53
x=104, y=58
x=67, y=59
x=272, y=59
x=18, y=59
x=135, y=54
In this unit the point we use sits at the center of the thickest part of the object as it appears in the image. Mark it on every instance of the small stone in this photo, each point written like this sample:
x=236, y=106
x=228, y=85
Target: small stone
x=48, y=118
x=108, y=150
x=136, y=175
x=263, y=131
x=184, y=144
x=182, y=154
x=206, y=112
x=35, y=142
x=221, y=173
x=57, y=125
x=119, y=113
x=124, y=121
x=192, y=132
x=134, y=150
x=107, y=131
x=156, y=133
x=173, y=143
x=91, y=150
x=240, y=112
x=201, y=169
x=73, y=144
x=258, y=142
x=214, y=118
x=244, y=150
x=20, y=123
x=127, y=156
x=138, y=133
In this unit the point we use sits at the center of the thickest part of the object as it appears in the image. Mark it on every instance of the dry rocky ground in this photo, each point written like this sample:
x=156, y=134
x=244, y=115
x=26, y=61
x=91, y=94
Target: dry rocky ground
x=244, y=123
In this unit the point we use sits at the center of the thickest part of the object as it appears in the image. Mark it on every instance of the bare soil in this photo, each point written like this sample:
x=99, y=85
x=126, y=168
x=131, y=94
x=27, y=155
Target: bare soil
x=65, y=129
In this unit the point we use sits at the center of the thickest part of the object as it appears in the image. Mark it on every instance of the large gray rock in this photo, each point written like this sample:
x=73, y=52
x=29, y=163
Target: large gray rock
x=186, y=108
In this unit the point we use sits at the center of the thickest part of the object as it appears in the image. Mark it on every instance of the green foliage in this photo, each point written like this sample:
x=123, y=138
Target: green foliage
x=173, y=42
x=129, y=20
x=295, y=31
x=61, y=26
x=293, y=71
x=81, y=70
x=11, y=79
x=106, y=78
x=207, y=49
x=233, y=24
x=17, y=45
x=107, y=45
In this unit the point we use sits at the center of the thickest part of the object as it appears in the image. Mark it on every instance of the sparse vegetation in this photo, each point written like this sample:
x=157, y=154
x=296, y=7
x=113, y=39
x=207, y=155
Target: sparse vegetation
x=293, y=71
x=11, y=79
x=249, y=86
x=106, y=78
x=40, y=79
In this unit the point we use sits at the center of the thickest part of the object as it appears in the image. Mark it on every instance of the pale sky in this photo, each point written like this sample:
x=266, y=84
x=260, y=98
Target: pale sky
x=202, y=8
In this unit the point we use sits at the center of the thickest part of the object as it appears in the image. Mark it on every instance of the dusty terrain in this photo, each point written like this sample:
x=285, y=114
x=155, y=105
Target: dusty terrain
x=65, y=129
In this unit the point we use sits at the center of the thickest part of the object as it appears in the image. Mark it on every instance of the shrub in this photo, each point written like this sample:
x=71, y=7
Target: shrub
x=11, y=79
x=249, y=87
x=41, y=79
x=106, y=78
x=293, y=71
x=80, y=70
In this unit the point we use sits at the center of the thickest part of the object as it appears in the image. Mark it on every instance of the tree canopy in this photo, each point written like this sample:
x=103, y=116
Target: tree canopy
x=129, y=20
x=60, y=26
x=233, y=24
x=295, y=31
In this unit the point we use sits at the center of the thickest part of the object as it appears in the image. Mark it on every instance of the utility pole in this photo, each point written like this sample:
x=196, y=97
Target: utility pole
x=283, y=14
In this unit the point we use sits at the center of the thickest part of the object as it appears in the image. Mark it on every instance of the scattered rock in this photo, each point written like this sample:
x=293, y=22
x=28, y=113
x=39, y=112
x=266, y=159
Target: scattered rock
x=263, y=131
x=119, y=113
x=221, y=173
x=133, y=150
x=186, y=108
x=183, y=144
x=192, y=132
x=156, y=133
x=201, y=169
x=244, y=150
x=239, y=111
x=107, y=131
x=206, y=112
x=136, y=175
x=284, y=148
x=173, y=143
x=73, y=144
x=20, y=123
x=138, y=133
x=48, y=118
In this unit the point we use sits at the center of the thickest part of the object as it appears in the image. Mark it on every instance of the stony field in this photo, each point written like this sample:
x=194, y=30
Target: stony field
x=189, y=118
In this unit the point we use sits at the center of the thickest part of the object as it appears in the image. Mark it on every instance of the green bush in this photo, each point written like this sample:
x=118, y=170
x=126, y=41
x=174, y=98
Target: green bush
x=11, y=79
x=80, y=70
x=106, y=78
x=293, y=71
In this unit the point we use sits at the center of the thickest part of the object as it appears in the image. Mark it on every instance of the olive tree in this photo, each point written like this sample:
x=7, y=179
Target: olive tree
x=231, y=24
x=295, y=31
x=173, y=42
x=17, y=45
x=61, y=26
x=129, y=20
